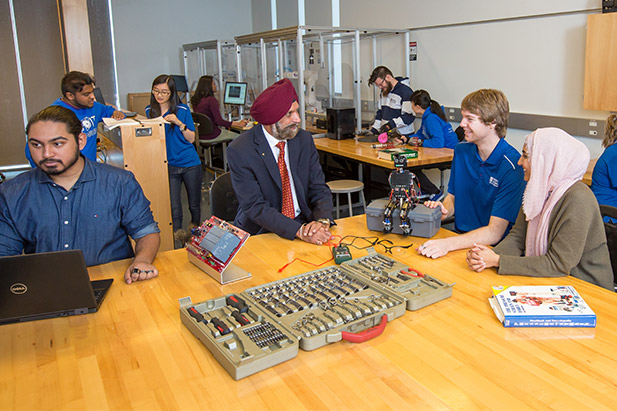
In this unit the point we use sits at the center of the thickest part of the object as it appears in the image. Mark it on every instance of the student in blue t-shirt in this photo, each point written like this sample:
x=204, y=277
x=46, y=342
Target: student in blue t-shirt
x=486, y=183
x=604, y=177
x=78, y=96
x=183, y=163
x=435, y=131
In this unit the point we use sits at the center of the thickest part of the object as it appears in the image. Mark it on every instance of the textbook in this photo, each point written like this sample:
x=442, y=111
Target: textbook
x=390, y=153
x=541, y=306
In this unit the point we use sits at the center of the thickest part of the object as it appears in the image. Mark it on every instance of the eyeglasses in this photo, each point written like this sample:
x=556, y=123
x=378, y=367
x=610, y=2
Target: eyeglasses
x=163, y=93
x=381, y=84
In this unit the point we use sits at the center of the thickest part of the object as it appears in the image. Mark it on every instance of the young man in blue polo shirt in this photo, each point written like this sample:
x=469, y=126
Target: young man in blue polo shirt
x=486, y=183
x=78, y=96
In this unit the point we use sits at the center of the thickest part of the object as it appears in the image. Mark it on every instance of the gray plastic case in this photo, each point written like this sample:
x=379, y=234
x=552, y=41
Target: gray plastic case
x=418, y=289
x=425, y=222
x=352, y=301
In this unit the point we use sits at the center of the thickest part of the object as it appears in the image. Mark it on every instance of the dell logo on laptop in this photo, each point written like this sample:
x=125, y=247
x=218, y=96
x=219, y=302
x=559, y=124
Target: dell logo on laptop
x=18, y=288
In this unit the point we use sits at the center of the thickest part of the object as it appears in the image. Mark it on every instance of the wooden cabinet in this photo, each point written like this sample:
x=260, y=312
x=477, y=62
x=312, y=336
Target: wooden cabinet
x=137, y=102
x=601, y=63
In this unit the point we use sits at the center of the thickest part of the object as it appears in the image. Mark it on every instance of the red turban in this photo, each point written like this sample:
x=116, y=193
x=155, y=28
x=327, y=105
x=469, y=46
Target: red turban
x=274, y=102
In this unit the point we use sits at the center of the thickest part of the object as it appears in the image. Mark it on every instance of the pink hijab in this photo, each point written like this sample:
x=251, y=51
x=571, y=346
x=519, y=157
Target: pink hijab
x=557, y=161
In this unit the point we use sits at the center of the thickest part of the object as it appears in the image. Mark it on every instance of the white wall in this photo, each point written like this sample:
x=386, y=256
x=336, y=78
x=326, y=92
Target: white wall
x=149, y=35
x=538, y=61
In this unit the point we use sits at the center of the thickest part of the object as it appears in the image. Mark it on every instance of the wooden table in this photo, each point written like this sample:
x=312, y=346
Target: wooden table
x=587, y=176
x=364, y=153
x=135, y=353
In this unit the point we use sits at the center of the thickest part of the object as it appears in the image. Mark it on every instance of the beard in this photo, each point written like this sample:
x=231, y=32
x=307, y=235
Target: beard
x=285, y=133
x=60, y=167
x=387, y=90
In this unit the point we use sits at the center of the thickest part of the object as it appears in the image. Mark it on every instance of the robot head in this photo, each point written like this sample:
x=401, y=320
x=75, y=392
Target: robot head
x=400, y=161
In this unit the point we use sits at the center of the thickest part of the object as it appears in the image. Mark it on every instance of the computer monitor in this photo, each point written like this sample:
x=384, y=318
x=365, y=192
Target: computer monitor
x=235, y=93
x=180, y=81
x=98, y=95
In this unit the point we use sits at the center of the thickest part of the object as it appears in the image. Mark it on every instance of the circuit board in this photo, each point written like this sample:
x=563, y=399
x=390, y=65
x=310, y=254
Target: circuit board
x=216, y=242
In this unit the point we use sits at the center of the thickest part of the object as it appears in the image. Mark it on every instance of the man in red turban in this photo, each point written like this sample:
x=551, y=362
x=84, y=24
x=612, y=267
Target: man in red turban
x=276, y=174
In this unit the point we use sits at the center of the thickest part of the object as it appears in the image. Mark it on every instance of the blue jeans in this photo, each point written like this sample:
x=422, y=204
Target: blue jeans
x=191, y=177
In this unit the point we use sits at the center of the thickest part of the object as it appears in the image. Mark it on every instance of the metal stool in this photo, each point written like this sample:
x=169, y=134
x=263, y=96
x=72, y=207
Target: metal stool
x=347, y=186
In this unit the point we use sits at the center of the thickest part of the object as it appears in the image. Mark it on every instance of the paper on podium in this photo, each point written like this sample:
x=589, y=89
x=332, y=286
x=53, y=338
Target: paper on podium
x=111, y=123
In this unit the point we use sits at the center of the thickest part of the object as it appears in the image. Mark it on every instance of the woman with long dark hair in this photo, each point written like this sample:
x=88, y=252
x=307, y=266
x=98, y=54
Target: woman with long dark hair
x=204, y=102
x=183, y=163
x=435, y=131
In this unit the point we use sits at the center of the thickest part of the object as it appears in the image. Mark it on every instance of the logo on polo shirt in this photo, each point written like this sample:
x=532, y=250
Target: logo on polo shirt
x=493, y=181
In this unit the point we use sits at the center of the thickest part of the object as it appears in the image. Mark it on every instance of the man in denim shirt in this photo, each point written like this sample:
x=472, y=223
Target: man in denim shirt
x=69, y=202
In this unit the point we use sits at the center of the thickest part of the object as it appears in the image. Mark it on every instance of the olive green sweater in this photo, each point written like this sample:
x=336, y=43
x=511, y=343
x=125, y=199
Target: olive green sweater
x=576, y=242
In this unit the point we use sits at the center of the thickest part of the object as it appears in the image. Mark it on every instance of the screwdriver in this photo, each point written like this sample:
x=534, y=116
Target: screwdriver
x=240, y=318
x=195, y=314
x=237, y=303
x=220, y=325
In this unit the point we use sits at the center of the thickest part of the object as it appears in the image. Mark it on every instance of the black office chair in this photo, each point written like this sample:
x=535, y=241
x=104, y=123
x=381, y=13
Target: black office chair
x=223, y=201
x=611, y=236
x=203, y=124
x=204, y=127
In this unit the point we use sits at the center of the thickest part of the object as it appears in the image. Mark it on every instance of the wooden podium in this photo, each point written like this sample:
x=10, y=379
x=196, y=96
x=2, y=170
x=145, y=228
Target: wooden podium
x=139, y=146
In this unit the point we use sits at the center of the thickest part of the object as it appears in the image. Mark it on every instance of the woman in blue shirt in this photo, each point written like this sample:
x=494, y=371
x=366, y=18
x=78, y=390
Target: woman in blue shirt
x=183, y=163
x=604, y=177
x=435, y=131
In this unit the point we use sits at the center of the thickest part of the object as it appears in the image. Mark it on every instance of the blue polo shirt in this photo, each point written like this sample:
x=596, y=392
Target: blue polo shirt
x=180, y=152
x=434, y=132
x=488, y=188
x=97, y=215
x=604, y=177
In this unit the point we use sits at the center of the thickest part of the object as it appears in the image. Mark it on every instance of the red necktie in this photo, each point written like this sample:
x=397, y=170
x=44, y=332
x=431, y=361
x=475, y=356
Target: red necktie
x=288, y=209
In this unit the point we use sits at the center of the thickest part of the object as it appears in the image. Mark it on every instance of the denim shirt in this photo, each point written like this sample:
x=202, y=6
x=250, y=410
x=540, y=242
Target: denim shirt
x=103, y=208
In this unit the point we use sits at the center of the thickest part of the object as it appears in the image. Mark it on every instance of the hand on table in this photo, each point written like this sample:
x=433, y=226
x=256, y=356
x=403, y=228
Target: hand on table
x=139, y=271
x=314, y=233
x=434, y=248
x=480, y=257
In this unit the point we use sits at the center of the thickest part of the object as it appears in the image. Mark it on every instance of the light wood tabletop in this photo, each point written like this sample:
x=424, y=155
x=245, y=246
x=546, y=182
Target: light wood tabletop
x=363, y=152
x=136, y=354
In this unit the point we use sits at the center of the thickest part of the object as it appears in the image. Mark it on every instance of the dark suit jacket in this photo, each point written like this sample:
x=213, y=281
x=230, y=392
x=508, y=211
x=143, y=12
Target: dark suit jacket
x=257, y=182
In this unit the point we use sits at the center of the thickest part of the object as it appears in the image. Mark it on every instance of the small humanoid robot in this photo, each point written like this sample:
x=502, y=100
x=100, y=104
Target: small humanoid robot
x=403, y=195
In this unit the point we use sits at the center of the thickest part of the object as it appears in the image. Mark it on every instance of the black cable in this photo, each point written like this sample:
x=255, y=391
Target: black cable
x=373, y=241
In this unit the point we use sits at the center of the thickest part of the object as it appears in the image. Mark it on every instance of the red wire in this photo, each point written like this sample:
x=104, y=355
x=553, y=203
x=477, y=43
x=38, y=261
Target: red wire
x=328, y=243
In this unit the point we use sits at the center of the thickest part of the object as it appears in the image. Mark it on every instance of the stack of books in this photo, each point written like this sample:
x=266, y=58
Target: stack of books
x=541, y=306
x=390, y=153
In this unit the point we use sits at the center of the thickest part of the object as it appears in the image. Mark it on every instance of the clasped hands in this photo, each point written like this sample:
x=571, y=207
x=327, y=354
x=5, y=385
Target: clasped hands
x=480, y=257
x=314, y=232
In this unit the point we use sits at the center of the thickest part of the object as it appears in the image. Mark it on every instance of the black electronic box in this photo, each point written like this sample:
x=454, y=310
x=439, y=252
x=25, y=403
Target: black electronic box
x=341, y=123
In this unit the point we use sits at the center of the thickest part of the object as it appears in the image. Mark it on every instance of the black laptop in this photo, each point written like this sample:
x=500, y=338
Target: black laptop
x=47, y=285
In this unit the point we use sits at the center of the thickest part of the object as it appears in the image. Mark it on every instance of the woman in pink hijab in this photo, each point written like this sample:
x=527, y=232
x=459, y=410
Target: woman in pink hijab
x=559, y=230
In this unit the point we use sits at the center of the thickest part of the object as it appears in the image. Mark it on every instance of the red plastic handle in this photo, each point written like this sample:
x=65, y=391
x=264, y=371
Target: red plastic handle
x=366, y=334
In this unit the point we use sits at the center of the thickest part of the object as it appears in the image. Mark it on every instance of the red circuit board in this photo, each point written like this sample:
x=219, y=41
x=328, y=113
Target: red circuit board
x=216, y=242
